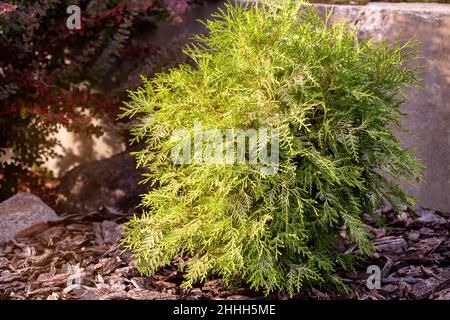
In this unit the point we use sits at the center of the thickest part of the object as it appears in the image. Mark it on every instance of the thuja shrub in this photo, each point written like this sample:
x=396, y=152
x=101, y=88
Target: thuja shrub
x=335, y=101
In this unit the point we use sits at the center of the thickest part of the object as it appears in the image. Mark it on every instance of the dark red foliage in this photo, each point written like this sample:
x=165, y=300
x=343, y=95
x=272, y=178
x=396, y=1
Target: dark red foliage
x=51, y=76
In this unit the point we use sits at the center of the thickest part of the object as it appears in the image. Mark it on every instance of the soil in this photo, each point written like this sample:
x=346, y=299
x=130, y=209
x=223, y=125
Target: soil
x=78, y=257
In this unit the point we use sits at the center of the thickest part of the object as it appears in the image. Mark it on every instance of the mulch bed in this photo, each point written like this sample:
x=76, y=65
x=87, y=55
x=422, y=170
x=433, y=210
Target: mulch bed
x=46, y=261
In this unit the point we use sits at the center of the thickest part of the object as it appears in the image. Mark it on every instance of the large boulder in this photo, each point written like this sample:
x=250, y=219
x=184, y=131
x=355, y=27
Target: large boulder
x=111, y=182
x=20, y=212
x=428, y=111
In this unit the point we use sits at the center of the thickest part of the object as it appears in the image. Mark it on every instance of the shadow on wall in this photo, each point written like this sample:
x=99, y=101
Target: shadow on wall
x=77, y=148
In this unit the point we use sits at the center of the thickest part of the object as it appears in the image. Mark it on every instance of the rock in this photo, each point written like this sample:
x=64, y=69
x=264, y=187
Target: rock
x=112, y=182
x=428, y=111
x=21, y=212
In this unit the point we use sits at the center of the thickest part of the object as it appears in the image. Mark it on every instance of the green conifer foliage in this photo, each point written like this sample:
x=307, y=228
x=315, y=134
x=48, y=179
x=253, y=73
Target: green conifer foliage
x=335, y=101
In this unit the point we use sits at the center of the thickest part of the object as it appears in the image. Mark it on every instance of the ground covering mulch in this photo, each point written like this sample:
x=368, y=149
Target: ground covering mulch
x=78, y=257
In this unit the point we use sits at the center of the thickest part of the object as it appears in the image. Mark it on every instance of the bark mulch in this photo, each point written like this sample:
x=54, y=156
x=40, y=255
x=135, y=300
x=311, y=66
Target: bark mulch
x=77, y=257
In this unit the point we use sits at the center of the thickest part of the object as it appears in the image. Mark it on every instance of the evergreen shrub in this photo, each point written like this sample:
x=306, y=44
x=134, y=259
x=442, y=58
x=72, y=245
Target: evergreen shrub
x=335, y=101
